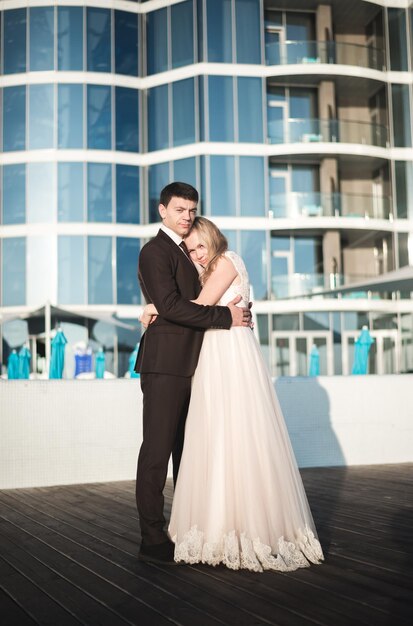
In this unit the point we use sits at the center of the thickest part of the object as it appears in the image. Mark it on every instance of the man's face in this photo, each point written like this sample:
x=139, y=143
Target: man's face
x=179, y=215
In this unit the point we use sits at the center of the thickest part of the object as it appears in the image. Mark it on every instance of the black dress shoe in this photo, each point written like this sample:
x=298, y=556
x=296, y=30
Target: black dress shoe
x=161, y=553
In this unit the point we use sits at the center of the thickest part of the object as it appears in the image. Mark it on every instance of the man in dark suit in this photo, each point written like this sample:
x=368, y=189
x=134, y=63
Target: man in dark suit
x=167, y=358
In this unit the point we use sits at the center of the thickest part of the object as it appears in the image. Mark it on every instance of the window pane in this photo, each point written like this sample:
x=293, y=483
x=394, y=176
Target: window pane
x=308, y=255
x=158, y=179
x=14, y=194
x=41, y=194
x=219, y=30
x=401, y=115
x=247, y=14
x=397, y=39
x=183, y=112
x=100, y=270
x=254, y=253
x=127, y=252
x=41, y=38
x=70, y=192
x=251, y=175
x=14, y=118
x=127, y=115
x=41, y=270
x=157, y=41
x=99, y=192
x=99, y=117
x=221, y=114
x=71, y=270
x=222, y=185
x=14, y=271
x=127, y=194
x=158, y=133
x=404, y=189
x=185, y=171
x=70, y=116
x=14, y=60
x=41, y=116
x=126, y=43
x=98, y=40
x=182, y=22
x=70, y=38
x=250, y=105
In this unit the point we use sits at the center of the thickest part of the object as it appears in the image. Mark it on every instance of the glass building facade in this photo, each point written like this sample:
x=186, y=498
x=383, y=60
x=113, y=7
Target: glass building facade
x=294, y=123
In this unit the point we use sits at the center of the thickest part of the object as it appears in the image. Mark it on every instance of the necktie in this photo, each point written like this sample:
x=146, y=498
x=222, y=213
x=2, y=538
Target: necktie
x=185, y=249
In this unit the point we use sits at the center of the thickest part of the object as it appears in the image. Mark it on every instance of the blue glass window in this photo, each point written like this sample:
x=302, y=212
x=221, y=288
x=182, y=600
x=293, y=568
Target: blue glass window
x=41, y=199
x=127, y=119
x=222, y=186
x=99, y=192
x=200, y=25
x=308, y=255
x=41, y=116
x=251, y=176
x=14, y=118
x=183, y=112
x=185, y=171
x=126, y=43
x=71, y=270
x=254, y=253
x=250, y=105
x=157, y=41
x=14, y=54
x=221, y=109
x=14, y=271
x=127, y=252
x=247, y=15
x=158, y=179
x=127, y=194
x=397, y=39
x=41, y=38
x=98, y=40
x=158, y=127
x=219, y=31
x=14, y=194
x=401, y=115
x=99, y=117
x=182, y=28
x=70, y=204
x=100, y=280
x=70, y=38
x=70, y=116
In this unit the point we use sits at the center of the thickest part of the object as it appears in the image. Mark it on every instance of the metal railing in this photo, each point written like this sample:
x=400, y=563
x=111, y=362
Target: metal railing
x=298, y=284
x=316, y=204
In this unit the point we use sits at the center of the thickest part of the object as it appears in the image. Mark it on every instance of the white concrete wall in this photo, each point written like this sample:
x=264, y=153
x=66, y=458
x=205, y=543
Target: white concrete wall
x=63, y=432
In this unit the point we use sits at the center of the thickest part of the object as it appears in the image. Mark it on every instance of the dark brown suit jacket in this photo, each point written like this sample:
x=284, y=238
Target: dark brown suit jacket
x=169, y=280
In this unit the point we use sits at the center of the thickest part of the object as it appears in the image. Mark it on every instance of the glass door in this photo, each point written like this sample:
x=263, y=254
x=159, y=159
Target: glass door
x=277, y=115
x=292, y=353
x=383, y=354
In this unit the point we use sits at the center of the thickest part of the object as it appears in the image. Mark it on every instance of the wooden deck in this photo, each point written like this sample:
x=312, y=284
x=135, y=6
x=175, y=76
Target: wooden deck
x=68, y=555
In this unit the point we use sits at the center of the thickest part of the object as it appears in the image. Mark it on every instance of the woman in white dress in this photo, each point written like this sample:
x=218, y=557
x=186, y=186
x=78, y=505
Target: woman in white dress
x=239, y=499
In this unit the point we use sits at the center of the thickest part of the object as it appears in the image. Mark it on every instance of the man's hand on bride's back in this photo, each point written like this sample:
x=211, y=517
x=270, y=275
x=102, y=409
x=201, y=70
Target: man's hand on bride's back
x=241, y=316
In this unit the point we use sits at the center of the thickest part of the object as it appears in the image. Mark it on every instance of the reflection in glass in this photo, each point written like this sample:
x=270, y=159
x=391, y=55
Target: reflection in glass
x=158, y=128
x=182, y=22
x=41, y=196
x=71, y=270
x=14, y=52
x=397, y=39
x=98, y=40
x=219, y=31
x=401, y=115
x=14, y=194
x=183, y=112
x=14, y=118
x=221, y=109
x=99, y=117
x=127, y=252
x=126, y=43
x=222, y=188
x=41, y=116
x=70, y=38
x=99, y=192
x=127, y=194
x=157, y=41
x=158, y=177
x=253, y=251
x=127, y=119
x=70, y=204
x=247, y=15
x=251, y=176
x=13, y=268
x=185, y=170
x=70, y=116
x=250, y=107
x=41, y=38
x=100, y=281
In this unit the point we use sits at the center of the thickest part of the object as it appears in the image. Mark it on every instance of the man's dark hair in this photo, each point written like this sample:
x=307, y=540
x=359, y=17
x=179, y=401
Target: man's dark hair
x=178, y=190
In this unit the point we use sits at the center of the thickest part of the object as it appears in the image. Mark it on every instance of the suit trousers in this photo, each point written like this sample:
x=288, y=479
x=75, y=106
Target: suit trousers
x=165, y=406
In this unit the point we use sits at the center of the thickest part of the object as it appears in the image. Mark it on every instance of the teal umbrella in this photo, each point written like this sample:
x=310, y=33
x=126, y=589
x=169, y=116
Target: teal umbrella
x=132, y=361
x=314, y=367
x=100, y=364
x=57, y=360
x=361, y=351
x=24, y=362
x=13, y=366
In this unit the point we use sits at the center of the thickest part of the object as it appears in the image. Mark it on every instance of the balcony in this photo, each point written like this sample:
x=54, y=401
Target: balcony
x=314, y=204
x=297, y=284
x=330, y=52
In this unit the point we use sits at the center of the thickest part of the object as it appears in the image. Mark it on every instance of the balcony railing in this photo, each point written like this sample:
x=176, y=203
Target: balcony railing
x=322, y=130
x=309, y=52
x=315, y=204
x=287, y=286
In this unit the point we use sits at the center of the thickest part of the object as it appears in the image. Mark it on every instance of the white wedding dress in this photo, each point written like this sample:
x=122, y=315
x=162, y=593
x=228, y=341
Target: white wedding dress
x=239, y=499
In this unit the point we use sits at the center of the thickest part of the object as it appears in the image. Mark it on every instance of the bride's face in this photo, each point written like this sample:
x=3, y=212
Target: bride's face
x=197, y=248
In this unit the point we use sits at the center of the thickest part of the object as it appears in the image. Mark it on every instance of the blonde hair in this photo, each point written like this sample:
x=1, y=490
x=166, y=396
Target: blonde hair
x=215, y=242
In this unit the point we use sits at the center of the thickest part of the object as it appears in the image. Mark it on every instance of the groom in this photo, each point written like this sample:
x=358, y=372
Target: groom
x=168, y=356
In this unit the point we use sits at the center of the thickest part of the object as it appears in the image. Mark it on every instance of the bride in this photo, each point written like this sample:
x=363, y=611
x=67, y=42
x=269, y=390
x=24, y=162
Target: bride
x=239, y=499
